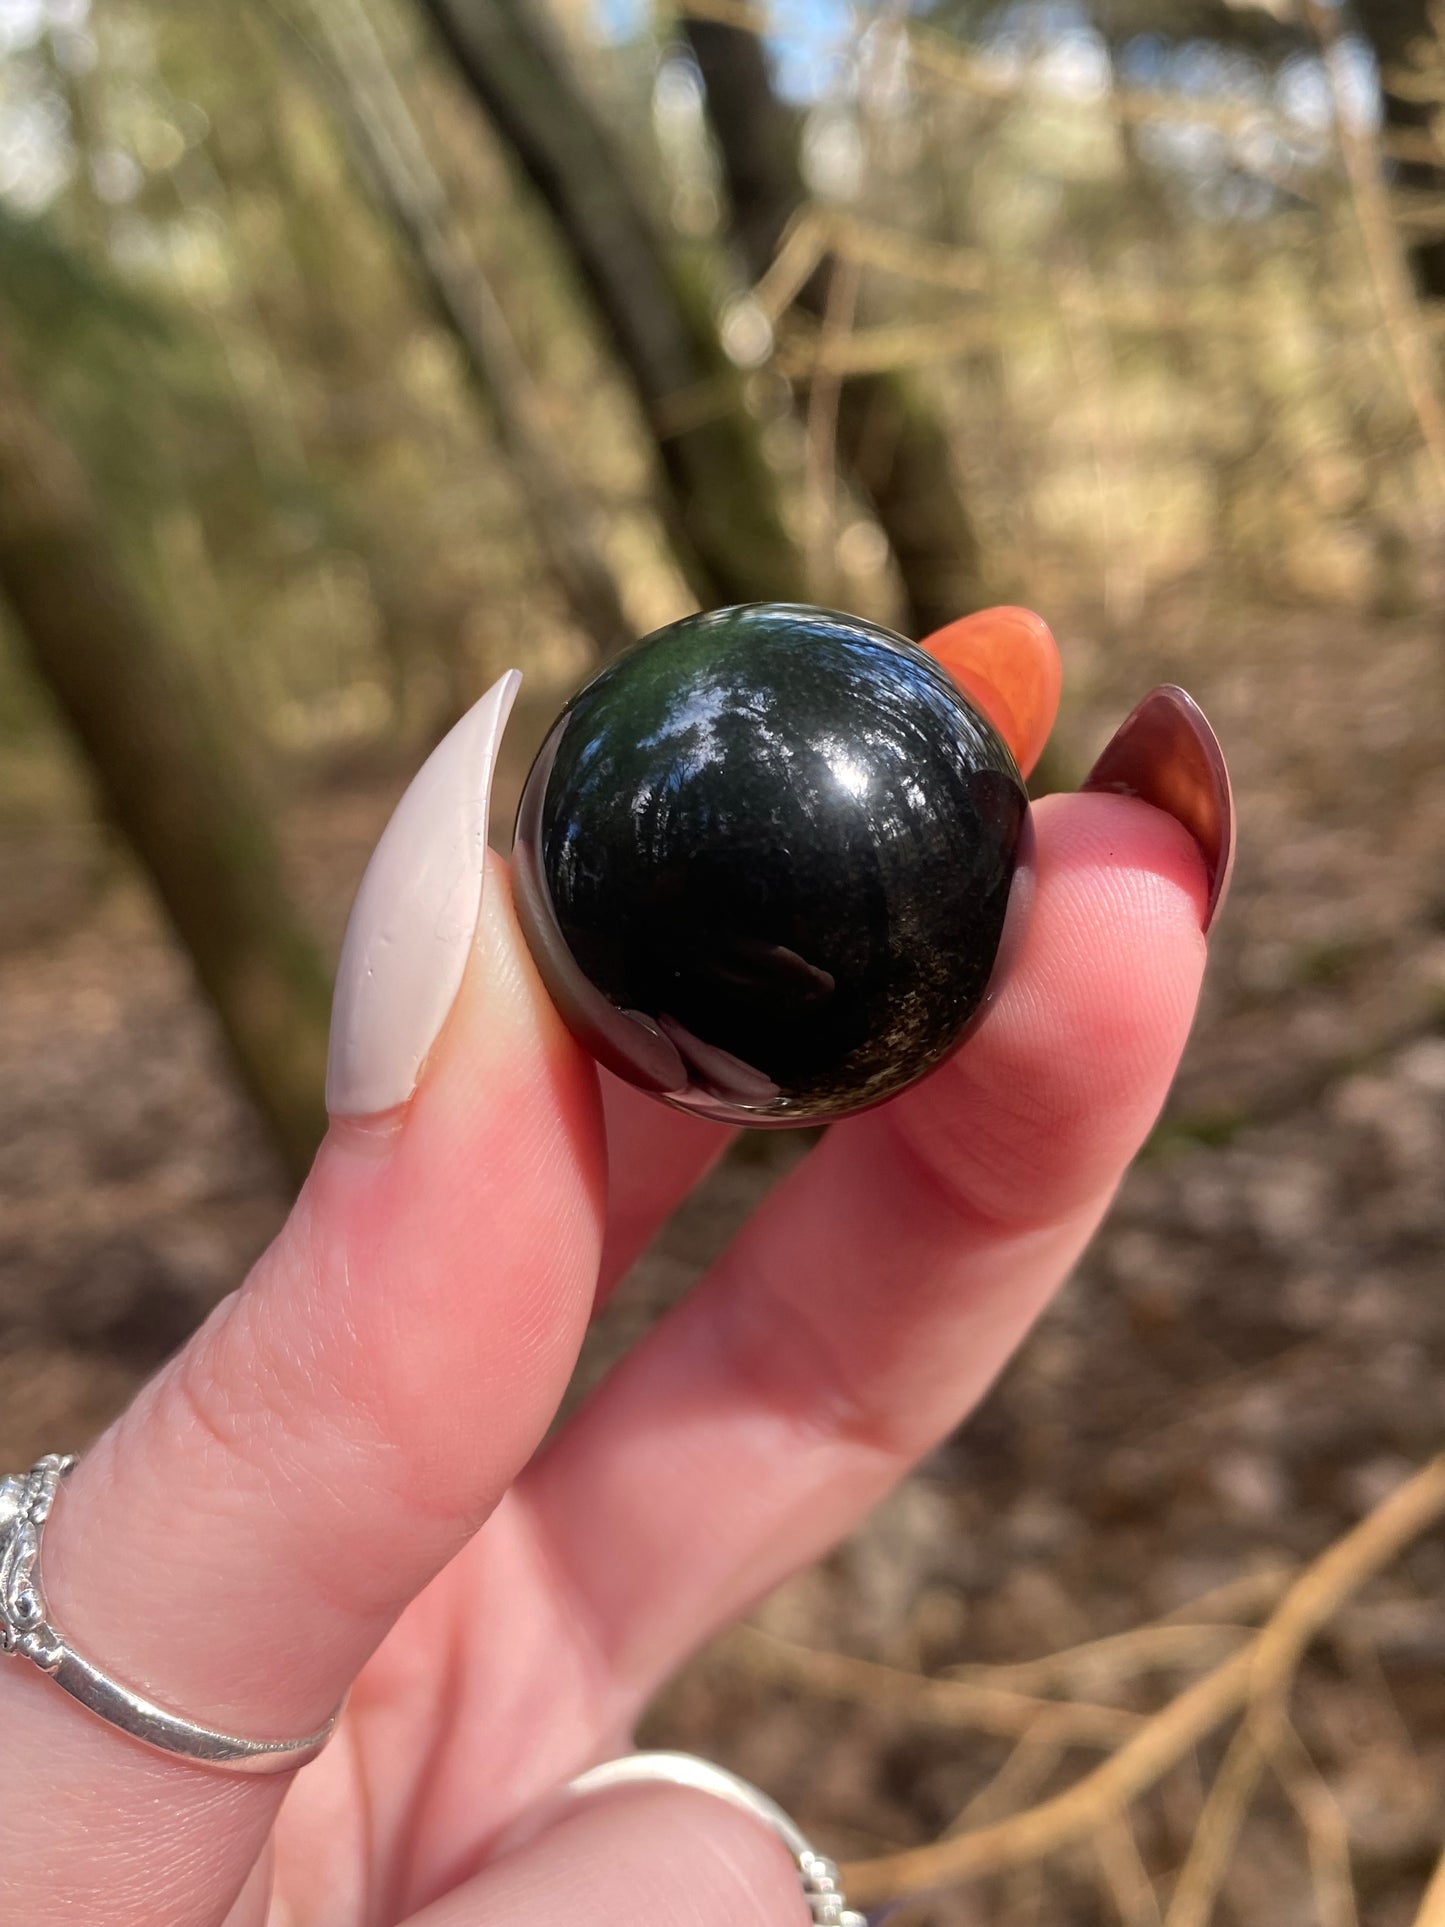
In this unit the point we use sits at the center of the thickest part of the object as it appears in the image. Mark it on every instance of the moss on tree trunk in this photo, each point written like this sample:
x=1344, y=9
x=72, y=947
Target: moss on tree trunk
x=721, y=502
x=892, y=443
x=169, y=771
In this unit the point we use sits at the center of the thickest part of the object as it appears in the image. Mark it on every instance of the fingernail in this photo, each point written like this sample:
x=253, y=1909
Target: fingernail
x=1007, y=661
x=415, y=917
x=1165, y=753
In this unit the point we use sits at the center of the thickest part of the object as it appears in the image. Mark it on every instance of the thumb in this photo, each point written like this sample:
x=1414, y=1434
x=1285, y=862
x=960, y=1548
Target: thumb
x=637, y=1857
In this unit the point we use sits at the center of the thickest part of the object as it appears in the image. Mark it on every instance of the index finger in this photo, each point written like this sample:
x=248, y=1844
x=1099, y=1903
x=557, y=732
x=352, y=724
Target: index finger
x=241, y=1540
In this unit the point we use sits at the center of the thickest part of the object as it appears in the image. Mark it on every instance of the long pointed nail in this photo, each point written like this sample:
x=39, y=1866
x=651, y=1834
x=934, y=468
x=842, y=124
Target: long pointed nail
x=1008, y=662
x=1165, y=752
x=415, y=917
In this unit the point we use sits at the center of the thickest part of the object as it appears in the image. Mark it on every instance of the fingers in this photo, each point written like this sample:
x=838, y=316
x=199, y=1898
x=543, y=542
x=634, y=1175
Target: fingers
x=241, y=1540
x=640, y=1858
x=1008, y=662
x=876, y=1293
x=253, y=1908
x=654, y=1159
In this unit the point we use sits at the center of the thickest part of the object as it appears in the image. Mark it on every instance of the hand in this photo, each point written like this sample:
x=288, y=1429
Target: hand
x=338, y=1483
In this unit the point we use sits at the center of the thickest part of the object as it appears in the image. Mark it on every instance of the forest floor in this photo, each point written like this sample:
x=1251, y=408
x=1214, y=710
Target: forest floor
x=1251, y=1356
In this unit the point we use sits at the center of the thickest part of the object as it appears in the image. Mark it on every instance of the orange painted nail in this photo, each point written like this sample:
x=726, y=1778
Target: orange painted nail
x=1007, y=661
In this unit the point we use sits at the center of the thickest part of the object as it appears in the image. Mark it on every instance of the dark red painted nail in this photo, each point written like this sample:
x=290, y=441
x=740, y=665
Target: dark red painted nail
x=1165, y=753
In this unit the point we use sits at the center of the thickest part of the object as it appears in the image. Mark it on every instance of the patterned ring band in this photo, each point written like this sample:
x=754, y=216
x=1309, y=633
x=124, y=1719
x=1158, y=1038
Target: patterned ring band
x=818, y=1875
x=27, y=1632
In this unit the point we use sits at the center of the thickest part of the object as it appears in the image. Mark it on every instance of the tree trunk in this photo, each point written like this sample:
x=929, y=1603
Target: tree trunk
x=396, y=166
x=721, y=502
x=1394, y=28
x=169, y=772
x=891, y=442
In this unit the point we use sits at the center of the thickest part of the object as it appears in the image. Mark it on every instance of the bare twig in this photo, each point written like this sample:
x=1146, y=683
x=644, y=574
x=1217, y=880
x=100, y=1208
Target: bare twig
x=1326, y=1835
x=1123, y=1874
x=938, y=60
x=340, y=41
x=1417, y=144
x=801, y=246
x=1394, y=292
x=822, y=465
x=911, y=257
x=934, y=1702
x=887, y=345
x=1023, y=1903
x=1432, y=1907
x=1212, y=1849
x=1069, y=1816
x=1021, y=1778
x=904, y=344
x=1261, y=1673
x=1103, y=1664
x=1236, y=1599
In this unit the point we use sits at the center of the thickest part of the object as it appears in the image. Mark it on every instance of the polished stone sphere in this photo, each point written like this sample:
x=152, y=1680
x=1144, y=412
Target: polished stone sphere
x=763, y=862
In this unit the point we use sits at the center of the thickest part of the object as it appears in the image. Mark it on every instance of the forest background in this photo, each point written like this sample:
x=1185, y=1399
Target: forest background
x=354, y=350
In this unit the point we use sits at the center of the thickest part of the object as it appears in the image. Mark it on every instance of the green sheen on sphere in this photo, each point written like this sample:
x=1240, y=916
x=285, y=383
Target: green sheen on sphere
x=764, y=862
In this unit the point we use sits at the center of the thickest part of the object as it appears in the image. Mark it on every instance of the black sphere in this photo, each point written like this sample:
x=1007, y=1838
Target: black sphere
x=763, y=861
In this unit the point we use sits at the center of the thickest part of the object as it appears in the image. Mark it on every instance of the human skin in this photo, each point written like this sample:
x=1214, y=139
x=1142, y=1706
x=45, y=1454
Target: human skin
x=340, y=1483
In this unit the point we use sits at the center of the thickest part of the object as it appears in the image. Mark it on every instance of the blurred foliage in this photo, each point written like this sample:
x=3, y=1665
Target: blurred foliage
x=1163, y=280
x=1114, y=246
x=313, y=293
x=292, y=461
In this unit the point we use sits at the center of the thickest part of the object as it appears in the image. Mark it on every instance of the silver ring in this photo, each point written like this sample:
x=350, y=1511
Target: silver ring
x=28, y=1632
x=818, y=1874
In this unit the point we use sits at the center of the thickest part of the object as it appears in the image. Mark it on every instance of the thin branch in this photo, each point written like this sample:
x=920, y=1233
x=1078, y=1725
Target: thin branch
x=1394, y=292
x=1327, y=1837
x=1262, y=1670
x=348, y=58
x=938, y=59
x=1236, y=1599
x=801, y=247
x=1101, y=1664
x=1123, y=1875
x=911, y=257
x=906, y=344
x=1022, y=1777
x=1069, y=1816
x=822, y=427
x=1217, y=1834
x=933, y=1702
x=1432, y=1907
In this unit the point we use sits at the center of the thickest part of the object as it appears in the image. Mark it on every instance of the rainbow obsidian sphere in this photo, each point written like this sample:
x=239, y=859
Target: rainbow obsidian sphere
x=763, y=861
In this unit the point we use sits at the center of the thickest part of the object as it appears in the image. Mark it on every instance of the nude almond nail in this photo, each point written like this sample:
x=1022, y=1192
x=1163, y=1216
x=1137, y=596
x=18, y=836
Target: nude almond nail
x=1166, y=753
x=415, y=918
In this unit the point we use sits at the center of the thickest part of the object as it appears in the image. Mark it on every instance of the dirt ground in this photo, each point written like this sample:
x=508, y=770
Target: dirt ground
x=1248, y=1360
